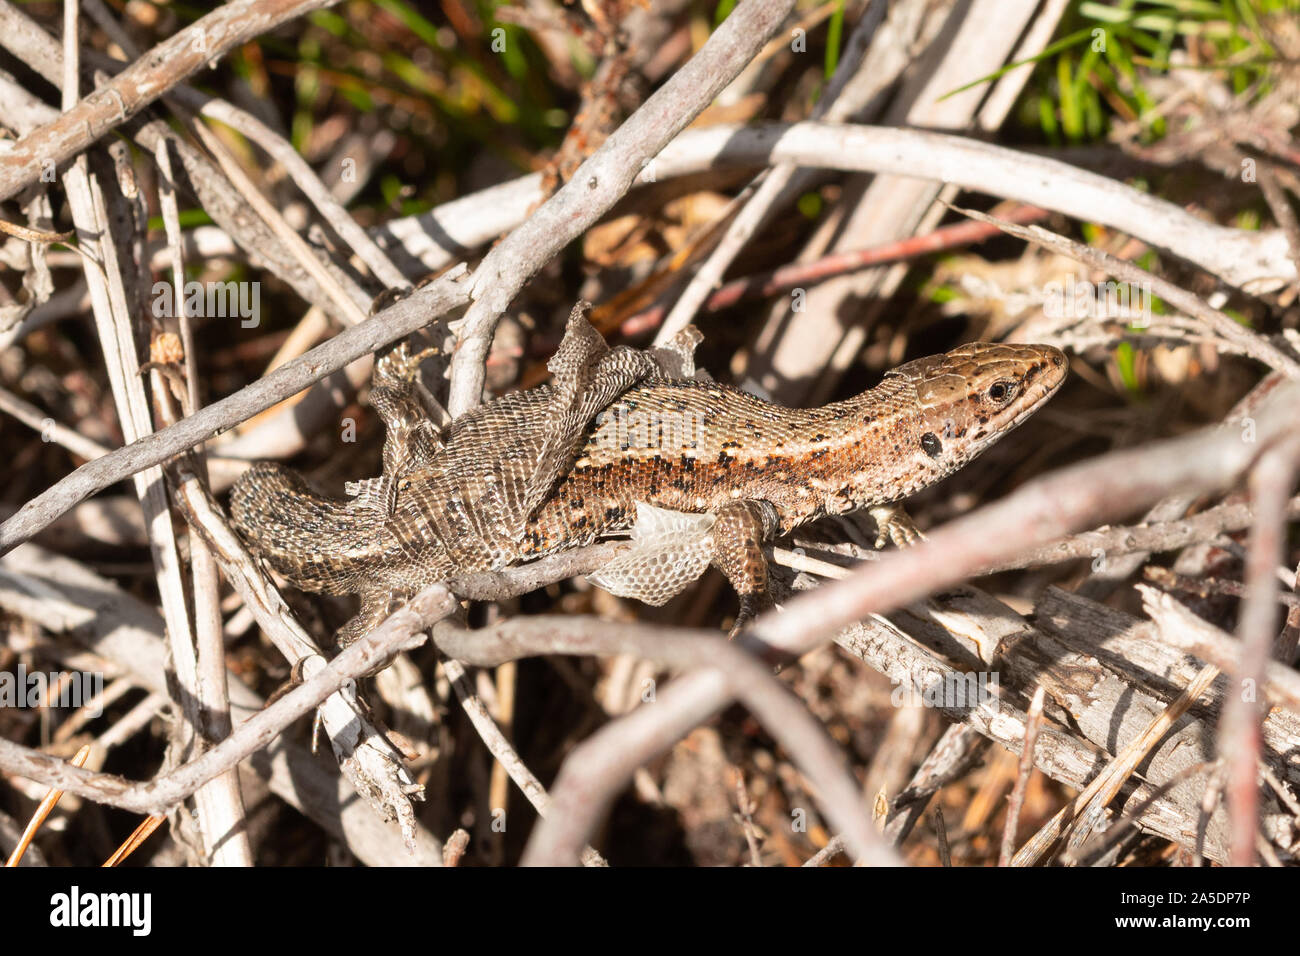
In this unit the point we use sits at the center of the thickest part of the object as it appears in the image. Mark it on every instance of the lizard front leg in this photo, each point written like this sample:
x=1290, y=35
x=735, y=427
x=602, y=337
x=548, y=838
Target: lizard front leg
x=894, y=524
x=738, y=535
x=411, y=437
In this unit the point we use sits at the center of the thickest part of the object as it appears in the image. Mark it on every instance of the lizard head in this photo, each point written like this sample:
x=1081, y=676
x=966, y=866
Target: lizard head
x=966, y=399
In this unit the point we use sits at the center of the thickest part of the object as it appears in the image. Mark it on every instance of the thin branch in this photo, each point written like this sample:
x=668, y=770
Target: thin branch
x=220, y=803
x=501, y=748
x=1241, y=258
x=178, y=57
x=1032, y=723
x=49, y=429
x=601, y=181
x=369, y=653
x=1080, y=816
x=1239, y=731
x=771, y=188
x=1223, y=326
x=418, y=310
x=613, y=753
x=1190, y=632
x=1108, y=542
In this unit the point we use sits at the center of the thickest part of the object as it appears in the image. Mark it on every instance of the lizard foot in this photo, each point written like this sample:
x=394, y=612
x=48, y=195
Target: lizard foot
x=751, y=606
x=400, y=365
x=894, y=525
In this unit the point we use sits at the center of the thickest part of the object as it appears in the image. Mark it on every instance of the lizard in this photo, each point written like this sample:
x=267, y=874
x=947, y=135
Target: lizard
x=624, y=441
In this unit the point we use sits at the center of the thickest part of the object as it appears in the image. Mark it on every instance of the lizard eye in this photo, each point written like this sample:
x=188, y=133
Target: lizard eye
x=931, y=445
x=1002, y=392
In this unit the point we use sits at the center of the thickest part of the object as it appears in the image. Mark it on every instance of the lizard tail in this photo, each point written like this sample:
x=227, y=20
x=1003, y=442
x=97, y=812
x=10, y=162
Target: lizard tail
x=275, y=510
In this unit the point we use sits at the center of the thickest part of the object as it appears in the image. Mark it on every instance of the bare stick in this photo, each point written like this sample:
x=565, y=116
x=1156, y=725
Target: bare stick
x=1195, y=635
x=1222, y=326
x=1110, y=542
x=802, y=274
x=601, y=181
x=282, y=151
x=615, y=751
x=351, y=305
x=941, y=834
x=1243, y=259
x=772, y=185
x=955, y=753
x=1081, y=815
x=367, y=654
x=170, y=62
x=1239, y=732
x=43, y=810
x=1034, y=721
x=1204, y=587
x=402, y=318
x=833, y=848
x=501, y=748
x=49, y=429
x=220, y=803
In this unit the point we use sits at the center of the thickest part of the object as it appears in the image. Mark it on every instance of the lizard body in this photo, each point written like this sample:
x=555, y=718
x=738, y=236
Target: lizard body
x=702, y=472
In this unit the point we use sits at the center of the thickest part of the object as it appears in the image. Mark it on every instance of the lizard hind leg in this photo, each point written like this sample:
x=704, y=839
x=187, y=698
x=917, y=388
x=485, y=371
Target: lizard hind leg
x=672, y=548
x=738, y=537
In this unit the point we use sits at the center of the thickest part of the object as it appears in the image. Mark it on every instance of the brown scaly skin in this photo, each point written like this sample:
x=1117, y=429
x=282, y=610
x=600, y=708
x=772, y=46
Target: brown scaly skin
x=682, y=445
